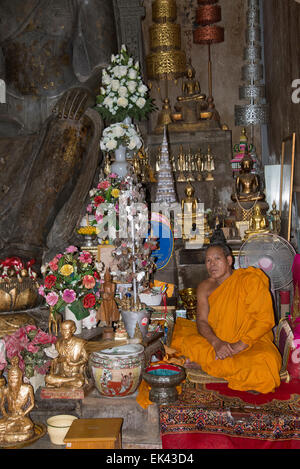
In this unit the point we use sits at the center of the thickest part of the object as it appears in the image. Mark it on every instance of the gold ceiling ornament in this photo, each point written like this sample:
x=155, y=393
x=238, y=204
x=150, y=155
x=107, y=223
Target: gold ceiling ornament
x=166, y=61
x=166, y=65
x=164, y=10
x=165, y=36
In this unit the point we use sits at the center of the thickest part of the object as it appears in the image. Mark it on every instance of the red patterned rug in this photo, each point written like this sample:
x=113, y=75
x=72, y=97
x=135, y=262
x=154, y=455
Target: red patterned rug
x=215, y=417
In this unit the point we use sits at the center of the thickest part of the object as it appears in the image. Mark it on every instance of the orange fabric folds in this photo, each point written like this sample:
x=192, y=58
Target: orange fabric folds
x=240, y=309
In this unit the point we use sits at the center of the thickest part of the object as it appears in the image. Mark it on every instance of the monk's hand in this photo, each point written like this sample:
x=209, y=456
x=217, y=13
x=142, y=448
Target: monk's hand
x=237, y=347
x=222, y=349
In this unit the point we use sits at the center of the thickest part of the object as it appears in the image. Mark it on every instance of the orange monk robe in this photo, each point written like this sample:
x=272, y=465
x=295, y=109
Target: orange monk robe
x=240, y=309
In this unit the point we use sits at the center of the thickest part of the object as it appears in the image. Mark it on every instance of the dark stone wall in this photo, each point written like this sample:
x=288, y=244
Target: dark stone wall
x=282, y=57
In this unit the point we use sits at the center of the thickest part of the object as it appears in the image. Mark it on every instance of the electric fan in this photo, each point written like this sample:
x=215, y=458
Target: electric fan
x=272, y=254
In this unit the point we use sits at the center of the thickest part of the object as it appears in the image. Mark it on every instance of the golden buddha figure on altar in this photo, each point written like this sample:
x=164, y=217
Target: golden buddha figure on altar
x=192, y=107
x=189, y=207
x=258, y=224
x=247, y=193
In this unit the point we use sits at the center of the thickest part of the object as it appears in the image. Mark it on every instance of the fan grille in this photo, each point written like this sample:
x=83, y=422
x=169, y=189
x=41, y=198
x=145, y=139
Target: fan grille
x=271, y=253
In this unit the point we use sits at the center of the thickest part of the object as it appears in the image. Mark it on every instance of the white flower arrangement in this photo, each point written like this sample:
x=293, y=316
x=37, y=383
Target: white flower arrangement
x=120, y=134
x=123, y=93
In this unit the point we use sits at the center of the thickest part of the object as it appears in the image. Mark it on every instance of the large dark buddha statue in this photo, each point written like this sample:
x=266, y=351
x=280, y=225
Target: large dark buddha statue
x=52, y=53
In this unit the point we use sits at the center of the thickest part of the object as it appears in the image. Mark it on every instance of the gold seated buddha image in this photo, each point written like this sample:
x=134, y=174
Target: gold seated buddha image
x=193, y=111
x=247, y=193
x=258, y=224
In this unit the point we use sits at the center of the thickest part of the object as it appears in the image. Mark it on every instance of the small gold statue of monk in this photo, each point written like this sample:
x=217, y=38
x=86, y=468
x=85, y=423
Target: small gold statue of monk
x=67, y=370
x=16, y=401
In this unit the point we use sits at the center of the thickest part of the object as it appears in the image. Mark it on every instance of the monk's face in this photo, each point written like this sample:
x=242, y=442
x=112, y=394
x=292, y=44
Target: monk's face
x=218, y=266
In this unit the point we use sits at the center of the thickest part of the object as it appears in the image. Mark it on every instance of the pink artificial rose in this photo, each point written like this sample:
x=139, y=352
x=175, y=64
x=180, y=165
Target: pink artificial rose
x=69, y=296
x=12, y=345
x=85, y=257
x=71, y=249
x=52, y=298
x=113, y=175
x=53, y=265
x=104, y=185
x=32, y=348
x=89, y=208
x=43, y=338
x=58, y=256
x=30, y=327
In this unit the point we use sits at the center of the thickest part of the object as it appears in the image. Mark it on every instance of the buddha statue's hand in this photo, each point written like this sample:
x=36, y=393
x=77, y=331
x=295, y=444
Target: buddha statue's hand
x=73, y=104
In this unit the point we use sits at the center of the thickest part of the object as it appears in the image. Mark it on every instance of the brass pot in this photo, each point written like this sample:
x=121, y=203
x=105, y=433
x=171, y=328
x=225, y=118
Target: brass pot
x=18, y=295
x=189, y=299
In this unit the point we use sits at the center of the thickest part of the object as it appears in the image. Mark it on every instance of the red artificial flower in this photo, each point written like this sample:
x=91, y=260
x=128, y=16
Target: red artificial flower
x=98, y=200
x=96, y=275
x=89, y=301
x=50, y=281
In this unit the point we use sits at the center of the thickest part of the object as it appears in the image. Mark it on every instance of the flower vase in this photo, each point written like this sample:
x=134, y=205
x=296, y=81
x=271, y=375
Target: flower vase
x=70, y=316
x=120, y=165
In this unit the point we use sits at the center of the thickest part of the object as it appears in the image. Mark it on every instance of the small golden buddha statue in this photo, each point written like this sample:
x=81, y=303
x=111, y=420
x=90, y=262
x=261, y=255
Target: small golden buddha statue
x=192, y=103
x=189, y=207
x=17, y=400
x=67, y=370
x=181, y=166
x=275, y=219
x=199, y=165
x=258, y=223
x=209, y=165
x=190, y=167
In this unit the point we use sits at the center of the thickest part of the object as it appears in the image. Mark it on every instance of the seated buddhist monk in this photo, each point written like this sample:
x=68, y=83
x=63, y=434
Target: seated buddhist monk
x=232, y=337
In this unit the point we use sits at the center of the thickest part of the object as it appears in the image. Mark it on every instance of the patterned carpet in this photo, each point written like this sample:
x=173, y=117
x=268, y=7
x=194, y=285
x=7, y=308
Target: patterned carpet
x=217, y=417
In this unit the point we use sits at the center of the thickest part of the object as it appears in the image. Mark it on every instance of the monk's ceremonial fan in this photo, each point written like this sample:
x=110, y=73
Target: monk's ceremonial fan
x=272, y=254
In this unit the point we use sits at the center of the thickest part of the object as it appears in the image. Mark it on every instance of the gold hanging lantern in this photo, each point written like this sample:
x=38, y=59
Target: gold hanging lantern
x=166, y=60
